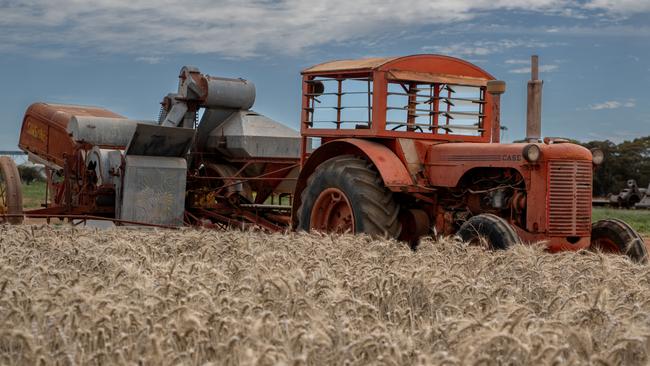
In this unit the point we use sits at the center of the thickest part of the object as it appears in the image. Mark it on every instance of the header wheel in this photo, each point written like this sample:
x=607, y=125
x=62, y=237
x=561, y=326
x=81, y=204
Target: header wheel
x=11, y=194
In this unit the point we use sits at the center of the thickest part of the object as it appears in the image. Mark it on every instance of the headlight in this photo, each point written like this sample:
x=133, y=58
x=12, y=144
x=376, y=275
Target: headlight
x=532, y=153
x=597, y=156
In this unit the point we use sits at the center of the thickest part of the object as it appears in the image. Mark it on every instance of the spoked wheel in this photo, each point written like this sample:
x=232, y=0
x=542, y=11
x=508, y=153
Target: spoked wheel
x=346, y=194
x=616, y=236
x=489, y=231
x=11, y=194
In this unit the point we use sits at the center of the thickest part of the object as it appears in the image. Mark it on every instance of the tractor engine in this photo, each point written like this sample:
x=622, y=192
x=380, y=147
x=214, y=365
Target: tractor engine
x=501, y=192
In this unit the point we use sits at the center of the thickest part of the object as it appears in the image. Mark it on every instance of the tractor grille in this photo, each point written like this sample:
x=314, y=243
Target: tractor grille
x=569, y=198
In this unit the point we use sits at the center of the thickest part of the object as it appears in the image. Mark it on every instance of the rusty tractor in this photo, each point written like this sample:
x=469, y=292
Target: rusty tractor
x=630, y=197
x=398, y=147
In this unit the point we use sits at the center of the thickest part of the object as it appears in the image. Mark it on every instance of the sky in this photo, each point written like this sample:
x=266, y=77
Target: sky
x=125, y=55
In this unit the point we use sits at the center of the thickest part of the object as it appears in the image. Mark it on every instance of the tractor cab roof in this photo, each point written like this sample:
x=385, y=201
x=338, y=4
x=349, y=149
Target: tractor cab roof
x=350, y=65
x=423, y=63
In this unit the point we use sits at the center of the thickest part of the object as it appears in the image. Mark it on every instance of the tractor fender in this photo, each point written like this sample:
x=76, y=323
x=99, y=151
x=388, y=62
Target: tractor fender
x=391, y=169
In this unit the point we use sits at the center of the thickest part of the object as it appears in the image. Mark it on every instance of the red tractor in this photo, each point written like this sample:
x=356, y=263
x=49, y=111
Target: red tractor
x=398, y=147
x=410, y=145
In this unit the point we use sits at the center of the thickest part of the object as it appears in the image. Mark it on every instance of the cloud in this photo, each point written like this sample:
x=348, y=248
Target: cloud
x=237, y=29
x=152, y=60
x=517, y=62
x=542, y=68
x=620, y=6
x=613, y=104
x=484, y=48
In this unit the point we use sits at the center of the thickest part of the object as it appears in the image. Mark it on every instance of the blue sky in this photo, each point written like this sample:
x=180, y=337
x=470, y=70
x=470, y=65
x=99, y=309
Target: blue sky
x=125, y=54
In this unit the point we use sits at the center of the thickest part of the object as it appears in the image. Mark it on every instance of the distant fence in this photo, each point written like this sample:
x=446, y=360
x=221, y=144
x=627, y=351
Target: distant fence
x=20, y=157
x=12, y=153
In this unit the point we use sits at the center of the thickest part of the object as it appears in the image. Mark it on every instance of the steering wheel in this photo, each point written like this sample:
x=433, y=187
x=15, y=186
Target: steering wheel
x=415, y=127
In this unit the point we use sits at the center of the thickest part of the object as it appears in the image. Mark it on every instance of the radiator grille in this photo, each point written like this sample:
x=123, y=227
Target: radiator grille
x=569, y=198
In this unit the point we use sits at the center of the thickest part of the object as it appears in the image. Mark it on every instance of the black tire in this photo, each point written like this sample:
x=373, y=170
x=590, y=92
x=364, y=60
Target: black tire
x=489, y=230
x=374, y=209
x=622, y=236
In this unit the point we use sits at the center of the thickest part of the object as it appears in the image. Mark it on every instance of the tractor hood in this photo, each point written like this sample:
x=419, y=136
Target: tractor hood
x=446, y=163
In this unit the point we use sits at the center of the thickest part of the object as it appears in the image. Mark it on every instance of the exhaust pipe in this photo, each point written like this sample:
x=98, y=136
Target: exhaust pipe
x=534, y=103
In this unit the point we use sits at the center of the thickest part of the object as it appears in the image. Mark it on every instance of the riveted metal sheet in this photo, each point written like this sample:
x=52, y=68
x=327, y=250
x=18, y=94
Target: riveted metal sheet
x=153, y=190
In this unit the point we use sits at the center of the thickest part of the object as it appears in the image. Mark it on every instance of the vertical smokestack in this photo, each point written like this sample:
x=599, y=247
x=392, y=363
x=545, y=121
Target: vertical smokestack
x=534, y=111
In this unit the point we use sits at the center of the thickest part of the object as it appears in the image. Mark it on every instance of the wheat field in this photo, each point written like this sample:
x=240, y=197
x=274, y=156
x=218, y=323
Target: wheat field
x=73, y=296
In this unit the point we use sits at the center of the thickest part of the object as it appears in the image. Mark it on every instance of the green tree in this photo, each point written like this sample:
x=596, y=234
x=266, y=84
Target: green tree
x=627, y=160
x=30, y=174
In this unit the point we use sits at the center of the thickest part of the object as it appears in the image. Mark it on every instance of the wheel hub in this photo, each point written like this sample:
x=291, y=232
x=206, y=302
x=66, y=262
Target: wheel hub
x=332, y=212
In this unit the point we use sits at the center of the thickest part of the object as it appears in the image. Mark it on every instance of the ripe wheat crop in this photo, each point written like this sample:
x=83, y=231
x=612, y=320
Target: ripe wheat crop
x=93, y=297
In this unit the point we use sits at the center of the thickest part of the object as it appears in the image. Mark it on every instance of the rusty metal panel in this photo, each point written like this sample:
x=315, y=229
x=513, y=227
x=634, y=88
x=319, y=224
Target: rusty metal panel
x=44, y=134
x=154, y=140
x=446, y=163
x=426, y=77
x=153, y=190
x=569, y=198
x=349, y=65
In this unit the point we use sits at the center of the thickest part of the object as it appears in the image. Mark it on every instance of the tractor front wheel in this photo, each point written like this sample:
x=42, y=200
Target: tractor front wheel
x=489, y=231
x=346, y=194
x=616, y=236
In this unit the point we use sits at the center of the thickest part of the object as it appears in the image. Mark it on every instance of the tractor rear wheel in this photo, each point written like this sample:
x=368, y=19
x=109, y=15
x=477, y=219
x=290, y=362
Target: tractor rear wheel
x=346, y=194
x=489, y=231
x=11, y=194
x=616, y=236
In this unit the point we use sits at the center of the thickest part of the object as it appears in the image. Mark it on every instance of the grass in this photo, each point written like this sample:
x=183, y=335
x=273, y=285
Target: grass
x=73, y=296
x=33, y=195
x=638, y=219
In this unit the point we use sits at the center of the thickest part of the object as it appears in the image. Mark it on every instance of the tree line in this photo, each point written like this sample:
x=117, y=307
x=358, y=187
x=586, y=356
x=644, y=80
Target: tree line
x=623, y=161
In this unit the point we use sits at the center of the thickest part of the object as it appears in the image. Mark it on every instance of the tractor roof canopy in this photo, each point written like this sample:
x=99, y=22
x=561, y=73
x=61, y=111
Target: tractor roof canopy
x=426, y=63
x=419, y=96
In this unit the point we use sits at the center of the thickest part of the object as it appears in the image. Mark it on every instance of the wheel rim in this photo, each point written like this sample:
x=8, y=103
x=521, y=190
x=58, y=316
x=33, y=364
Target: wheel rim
x=3, y=198
x=11, y=201
x=606, y=245
x=332, y=212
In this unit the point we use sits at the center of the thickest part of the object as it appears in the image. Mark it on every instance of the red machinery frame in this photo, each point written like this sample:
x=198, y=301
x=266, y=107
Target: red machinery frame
x=425, y=68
